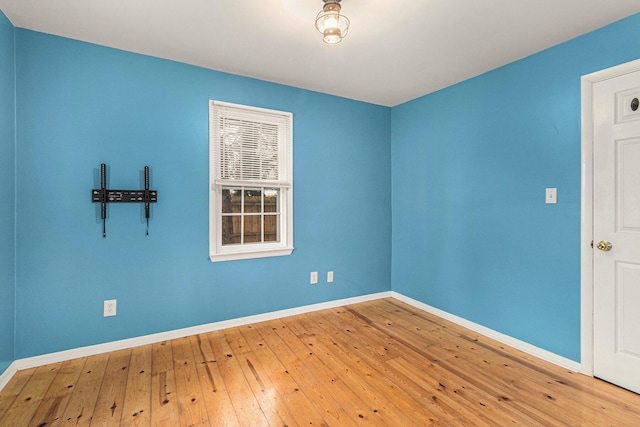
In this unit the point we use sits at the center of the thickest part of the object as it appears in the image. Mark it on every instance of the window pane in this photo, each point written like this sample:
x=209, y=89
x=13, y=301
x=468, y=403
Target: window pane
x=271, y=196
x=230, y=230
x=252, y=200
x=231, y=200
x=253, y=229
x=271, y=232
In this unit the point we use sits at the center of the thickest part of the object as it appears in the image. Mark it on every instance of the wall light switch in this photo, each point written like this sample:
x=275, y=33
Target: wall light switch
x=551, y=197
x=314, y=277
x=329, y=276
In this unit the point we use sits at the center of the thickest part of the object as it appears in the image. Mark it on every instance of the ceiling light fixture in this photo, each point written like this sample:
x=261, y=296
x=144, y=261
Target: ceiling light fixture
x=331, y=24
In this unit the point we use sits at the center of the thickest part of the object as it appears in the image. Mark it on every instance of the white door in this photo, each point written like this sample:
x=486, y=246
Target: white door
x=616, y=220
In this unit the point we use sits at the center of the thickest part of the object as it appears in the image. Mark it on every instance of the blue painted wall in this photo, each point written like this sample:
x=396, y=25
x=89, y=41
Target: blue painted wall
x=463, y=170
x=79, y=105
x=7, y=192
x=470, y=164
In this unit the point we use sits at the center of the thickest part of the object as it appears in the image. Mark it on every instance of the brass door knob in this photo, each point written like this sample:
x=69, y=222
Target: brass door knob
x=603, y=245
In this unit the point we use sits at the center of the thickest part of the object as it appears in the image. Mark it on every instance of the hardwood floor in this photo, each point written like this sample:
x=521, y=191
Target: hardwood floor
x=379, y=363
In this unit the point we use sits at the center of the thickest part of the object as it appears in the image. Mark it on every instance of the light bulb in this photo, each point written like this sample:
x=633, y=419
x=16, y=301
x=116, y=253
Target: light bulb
x=331, y=24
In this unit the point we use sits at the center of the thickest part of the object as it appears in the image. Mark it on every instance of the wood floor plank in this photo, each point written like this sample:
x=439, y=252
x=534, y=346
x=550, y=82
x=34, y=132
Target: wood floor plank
x=489, y=360
x=59, y=393
x=191, y=406
x=11, y=391
x=373, y=381
x=377, y=356
x=79, y=410
x=475, y=374
x=27, y=402
x=237, y=342
x=137, y=403
x=164, y=399
x=351, y=391
x=214, y=391
x=301, y=408
x=375, y=391
x=376, y=363
x=456, y=403
x=492, y=395
x=246, y=405
x=328, y=371
x=461, y=392
x=304, y=369
x=578, y=388
x=267, y=395
x=412, y=349
x=108, y=409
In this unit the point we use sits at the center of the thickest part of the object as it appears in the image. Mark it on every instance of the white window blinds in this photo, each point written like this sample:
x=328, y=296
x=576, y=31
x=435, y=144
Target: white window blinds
x=250, y=145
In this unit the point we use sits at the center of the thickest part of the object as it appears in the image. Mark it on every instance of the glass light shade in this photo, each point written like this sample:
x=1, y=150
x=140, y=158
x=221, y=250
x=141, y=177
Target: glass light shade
x=331, y=24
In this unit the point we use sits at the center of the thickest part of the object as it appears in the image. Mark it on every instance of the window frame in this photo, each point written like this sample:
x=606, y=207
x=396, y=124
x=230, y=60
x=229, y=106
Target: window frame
x=284, y=183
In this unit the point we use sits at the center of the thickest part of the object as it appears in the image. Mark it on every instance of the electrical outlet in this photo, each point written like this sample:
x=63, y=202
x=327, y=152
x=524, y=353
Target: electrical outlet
x=330, y=277
x=314, y=277
x=109, y=307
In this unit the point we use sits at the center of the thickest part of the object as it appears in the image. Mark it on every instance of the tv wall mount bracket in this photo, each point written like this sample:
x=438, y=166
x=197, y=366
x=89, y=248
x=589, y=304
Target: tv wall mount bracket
x=103, y=196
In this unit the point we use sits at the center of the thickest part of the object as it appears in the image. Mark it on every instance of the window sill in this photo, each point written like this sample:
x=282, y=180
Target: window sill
x=231, y=256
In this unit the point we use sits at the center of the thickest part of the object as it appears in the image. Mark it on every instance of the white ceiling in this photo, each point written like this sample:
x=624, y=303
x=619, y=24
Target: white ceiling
x=396, y=50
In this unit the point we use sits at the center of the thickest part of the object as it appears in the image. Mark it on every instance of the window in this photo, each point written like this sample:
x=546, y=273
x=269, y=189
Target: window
x=251, y=174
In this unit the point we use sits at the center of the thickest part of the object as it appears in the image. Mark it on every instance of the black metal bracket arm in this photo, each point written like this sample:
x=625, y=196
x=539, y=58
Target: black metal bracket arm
x=103, y=196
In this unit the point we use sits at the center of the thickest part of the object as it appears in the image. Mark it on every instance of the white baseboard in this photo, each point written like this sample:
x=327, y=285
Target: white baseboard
x=62, y=356
x=6, y=376
x=505, y=339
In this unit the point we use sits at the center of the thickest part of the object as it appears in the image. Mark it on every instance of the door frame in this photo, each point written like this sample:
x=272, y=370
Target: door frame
x=586, y=208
